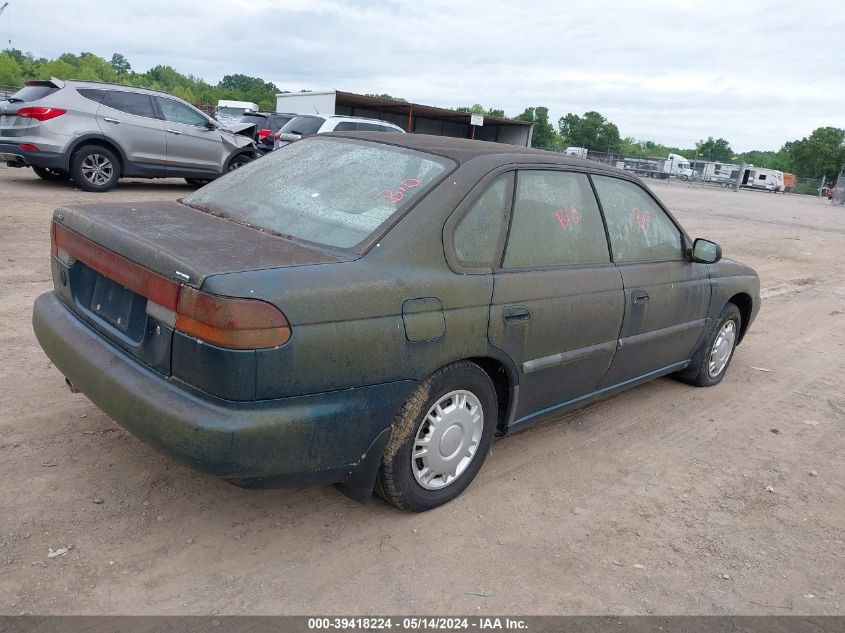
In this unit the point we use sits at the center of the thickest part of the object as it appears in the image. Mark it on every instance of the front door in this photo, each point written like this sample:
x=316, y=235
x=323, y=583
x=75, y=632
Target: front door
x=558, y=301
x=191, y=143
x=666, y=295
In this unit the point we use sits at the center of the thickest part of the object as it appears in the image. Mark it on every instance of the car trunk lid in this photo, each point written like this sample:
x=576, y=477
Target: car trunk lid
x=120, y=267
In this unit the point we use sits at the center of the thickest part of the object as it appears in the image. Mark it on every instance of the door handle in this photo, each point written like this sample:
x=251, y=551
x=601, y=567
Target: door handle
x=639, y=296
x=110, y=120
x=516, y=314
x=172, y=131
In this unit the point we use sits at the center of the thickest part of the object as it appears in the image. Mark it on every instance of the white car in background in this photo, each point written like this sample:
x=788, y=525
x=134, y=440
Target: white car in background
x=308, y=124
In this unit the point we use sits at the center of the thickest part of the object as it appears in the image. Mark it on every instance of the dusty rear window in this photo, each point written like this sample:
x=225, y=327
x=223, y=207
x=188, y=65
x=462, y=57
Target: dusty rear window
x=335, y=192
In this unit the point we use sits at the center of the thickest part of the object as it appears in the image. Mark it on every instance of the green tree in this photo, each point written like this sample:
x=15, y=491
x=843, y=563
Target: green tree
x=592, y=131
x=544, y=136
x=120, y=64
x=715, y=150
x=820, y=154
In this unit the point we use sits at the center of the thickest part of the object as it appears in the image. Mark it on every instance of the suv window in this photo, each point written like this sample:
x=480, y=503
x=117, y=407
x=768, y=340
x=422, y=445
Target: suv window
x=639, y=229
x=176, y=112
x=94, y=94
x=555, y=221
x=346, y=126
x=303, y=125
x=32, y=93
x=476, y=237
x=131, y=103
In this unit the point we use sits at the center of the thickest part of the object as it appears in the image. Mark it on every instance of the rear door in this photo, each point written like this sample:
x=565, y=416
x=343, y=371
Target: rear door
x=666, y=295
x=130, y=118
x=191, y=143
x=558, y=301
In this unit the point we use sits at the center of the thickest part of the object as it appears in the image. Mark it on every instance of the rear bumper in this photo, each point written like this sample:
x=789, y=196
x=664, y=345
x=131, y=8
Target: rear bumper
x=13, y=154
x=318, y=438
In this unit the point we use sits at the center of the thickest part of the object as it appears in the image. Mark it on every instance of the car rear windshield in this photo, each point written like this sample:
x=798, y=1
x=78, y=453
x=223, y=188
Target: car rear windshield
x=303, y=125
x=336, y=192
x=32, y=93
x=256, y=119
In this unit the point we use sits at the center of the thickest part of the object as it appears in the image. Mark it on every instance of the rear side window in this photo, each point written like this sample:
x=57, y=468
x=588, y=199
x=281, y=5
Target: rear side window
x=131, y=103
x=32, y=93
x=555, y=221
x=639, y=229
x=276, y=122
x=332, y=191
x=92, y=93
x=176, y=112
x=477, y=235
x=303, y=125
x=346, y=126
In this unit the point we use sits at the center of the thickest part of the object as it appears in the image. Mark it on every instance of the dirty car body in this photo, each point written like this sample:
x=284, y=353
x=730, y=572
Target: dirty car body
x=274, y=343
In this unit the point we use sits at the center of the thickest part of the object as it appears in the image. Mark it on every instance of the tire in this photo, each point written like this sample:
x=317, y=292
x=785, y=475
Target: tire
x=702, y=374
x=421, y=484
x=238, y=161
x=94, y=168
x=50, y=174
x=197, y=182
x=684, y=178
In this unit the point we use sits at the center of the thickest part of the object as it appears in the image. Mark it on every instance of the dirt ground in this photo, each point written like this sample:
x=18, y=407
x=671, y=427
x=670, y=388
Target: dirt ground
x=666, y=499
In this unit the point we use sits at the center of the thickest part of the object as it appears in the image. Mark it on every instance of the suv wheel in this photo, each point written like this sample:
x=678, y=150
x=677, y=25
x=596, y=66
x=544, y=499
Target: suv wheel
x=238, y=161
x=48, y=173
x=439, y=439
x=95, y=168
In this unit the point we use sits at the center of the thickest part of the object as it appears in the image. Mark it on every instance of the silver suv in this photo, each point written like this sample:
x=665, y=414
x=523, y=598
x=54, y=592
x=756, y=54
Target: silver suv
x=95, y=133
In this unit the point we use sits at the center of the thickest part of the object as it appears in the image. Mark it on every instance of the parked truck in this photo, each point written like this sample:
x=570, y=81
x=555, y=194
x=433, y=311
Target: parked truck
x=230, y=111
x=673, y=165
x=578, y=152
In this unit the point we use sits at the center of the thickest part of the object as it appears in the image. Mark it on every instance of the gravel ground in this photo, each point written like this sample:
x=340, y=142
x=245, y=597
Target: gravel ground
x=665, y=499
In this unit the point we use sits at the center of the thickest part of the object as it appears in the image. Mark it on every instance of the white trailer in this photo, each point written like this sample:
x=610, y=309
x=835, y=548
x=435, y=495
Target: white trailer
x=762, y=178
x=228, y=110
x=720, y=173
x=578, y=152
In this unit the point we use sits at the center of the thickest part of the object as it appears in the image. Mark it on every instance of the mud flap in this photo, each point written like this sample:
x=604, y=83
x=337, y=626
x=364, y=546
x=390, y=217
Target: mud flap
x=361, y=480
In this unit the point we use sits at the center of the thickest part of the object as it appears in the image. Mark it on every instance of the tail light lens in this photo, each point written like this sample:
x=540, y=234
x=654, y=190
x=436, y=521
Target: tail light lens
x=277, y=135
x=262, y=134
x=229, y=322
x=28, y=147
x=40, y=113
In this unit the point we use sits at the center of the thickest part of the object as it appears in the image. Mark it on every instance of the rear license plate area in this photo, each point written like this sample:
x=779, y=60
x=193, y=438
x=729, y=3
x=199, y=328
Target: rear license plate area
x=113, y=303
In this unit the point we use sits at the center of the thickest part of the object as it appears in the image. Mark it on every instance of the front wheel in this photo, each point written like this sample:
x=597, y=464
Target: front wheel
x=718, y=349
x=439, y=439
x=95, y=168
x=238, y=161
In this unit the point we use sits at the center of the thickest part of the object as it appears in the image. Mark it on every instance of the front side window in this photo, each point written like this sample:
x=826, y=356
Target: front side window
x=131, y=103
x=639, y=229
x=176, y=112
x=477, y=235
x=330, y=191
x=555, y=221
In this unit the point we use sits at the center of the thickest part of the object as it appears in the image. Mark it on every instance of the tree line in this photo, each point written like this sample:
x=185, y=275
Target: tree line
x=820, y=153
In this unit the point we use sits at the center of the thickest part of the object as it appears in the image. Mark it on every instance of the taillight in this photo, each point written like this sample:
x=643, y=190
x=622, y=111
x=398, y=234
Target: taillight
x=277, y=135
x=28, y=147
x=40, y=113
x=230, y=322
x=262, y=134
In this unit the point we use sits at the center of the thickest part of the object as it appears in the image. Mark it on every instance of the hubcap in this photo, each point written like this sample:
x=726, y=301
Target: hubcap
x=97, y=169
x=447, y=440
x=722, y=348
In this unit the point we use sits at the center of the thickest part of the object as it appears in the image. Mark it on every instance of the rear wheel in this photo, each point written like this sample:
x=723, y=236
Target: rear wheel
x=440, y=438
x=48, y=173
x=94, y=168
x=718, y=349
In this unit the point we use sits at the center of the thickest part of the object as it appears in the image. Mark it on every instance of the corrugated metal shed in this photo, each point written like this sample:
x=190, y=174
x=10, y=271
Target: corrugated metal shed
x=415, y=117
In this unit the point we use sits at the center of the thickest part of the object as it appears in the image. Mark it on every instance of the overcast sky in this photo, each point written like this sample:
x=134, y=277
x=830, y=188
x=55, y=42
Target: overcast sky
x=755, y=72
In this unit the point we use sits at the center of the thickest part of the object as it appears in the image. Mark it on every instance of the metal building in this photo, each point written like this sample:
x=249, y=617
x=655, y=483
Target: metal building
x=411, y=117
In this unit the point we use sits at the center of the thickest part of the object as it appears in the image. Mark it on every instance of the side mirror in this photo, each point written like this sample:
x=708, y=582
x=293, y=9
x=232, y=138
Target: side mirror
x=211, y=125
x=706, y=252
x=289, y=138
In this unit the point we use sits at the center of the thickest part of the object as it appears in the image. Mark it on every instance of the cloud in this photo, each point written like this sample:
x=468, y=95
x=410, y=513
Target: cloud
x=754, y=72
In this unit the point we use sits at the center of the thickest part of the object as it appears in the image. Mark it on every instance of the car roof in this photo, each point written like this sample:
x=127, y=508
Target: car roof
x=463, y=150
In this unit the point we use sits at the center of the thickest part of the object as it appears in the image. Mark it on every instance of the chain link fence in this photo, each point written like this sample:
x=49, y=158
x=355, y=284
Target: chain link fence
x=838, y=194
